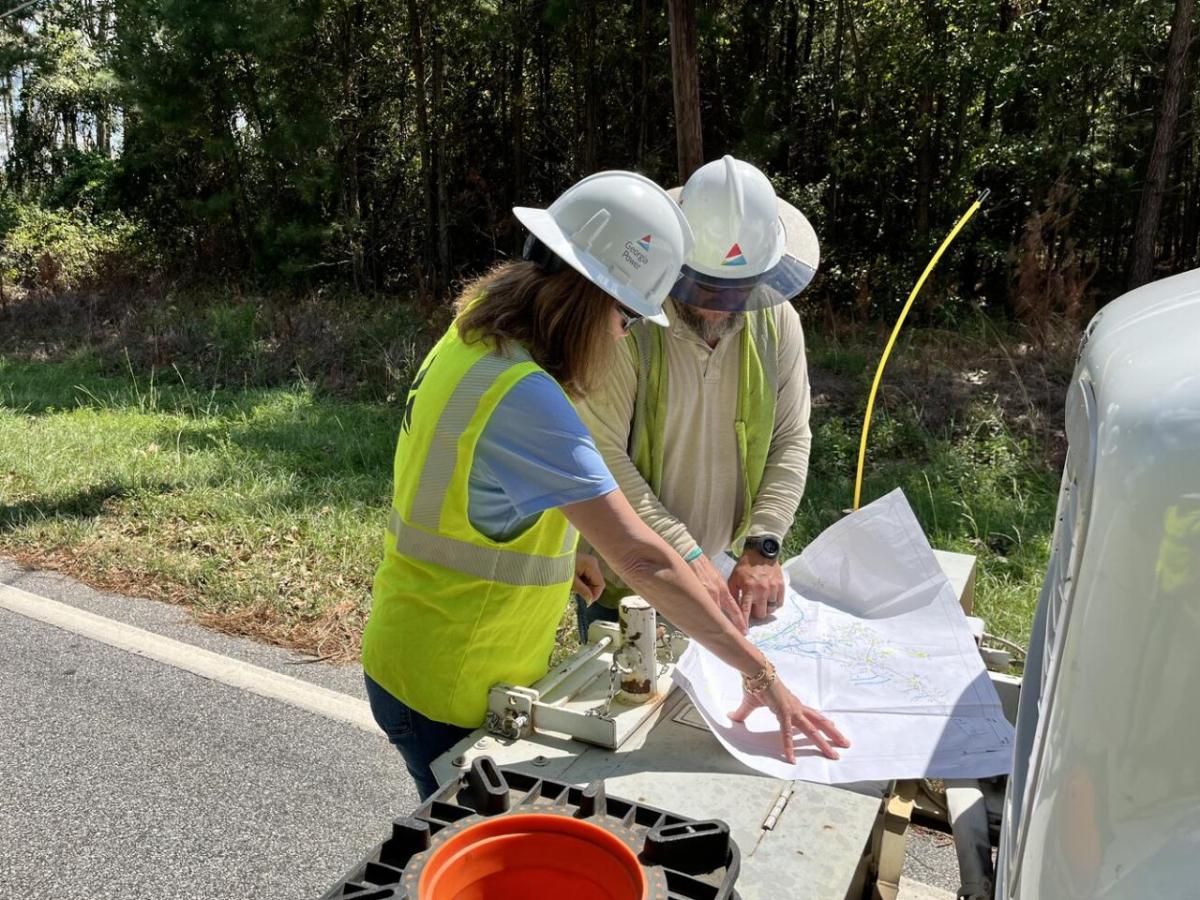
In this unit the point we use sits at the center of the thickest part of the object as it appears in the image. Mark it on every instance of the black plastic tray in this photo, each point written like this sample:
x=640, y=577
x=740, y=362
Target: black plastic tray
x=688, y=858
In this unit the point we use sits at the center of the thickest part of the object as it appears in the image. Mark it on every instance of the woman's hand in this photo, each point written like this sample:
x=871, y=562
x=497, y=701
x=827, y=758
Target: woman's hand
x=589, y=580
x=719, y=591
x=793, y=717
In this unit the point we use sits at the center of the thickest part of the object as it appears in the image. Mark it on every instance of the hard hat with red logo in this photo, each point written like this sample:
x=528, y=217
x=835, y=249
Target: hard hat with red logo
x=619, y=230
x=752, y=249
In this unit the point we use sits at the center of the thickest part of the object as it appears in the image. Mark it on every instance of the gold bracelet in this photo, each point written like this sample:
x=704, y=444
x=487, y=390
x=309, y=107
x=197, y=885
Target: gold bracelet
x=761, y=680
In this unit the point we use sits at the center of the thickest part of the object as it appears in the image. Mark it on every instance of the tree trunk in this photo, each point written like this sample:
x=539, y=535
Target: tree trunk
x=417, y=42
x=352, y=104
x=70, y=138
x=103, y=112
x=835, y=116
x=685, y=76
x=644, y=98
x=1191, y=220
x=439, y=163
x=542, y=49
x=791, y=30
x=516, y=90
x=860, y=69
x=924, y=161
x=810, y=20
x=839, y=28
x=590, y=97
x=1146, y=229
x=8, y=115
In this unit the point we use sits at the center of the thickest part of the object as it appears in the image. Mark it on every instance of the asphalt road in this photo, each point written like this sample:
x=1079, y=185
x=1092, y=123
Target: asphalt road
x=124, y=777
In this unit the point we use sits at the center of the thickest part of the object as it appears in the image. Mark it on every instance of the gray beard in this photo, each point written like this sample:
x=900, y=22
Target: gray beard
x=707, y=330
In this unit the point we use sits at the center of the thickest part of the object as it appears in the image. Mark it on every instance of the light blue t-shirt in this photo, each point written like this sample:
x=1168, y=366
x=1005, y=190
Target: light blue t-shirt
x=535, y=454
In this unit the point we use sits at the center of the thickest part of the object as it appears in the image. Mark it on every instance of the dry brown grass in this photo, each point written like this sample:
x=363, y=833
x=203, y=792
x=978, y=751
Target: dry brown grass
x=334, y=634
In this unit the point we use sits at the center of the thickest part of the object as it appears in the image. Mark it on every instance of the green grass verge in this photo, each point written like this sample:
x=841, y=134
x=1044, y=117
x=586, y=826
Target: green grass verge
x=264, y=507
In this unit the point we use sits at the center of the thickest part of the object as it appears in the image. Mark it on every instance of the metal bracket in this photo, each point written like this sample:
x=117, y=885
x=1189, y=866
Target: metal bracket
x=510, y=711
x=576, y=698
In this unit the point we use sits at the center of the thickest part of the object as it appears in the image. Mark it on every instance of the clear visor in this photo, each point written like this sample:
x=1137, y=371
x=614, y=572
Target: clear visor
x=778, y=284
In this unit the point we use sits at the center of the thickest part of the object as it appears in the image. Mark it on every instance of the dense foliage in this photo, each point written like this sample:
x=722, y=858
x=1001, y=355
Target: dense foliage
x=381, y=143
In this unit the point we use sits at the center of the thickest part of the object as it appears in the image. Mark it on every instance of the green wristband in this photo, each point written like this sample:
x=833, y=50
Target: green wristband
x=694, y=555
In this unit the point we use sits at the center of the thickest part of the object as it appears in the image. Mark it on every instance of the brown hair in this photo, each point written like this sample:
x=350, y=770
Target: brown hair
x=563, y=320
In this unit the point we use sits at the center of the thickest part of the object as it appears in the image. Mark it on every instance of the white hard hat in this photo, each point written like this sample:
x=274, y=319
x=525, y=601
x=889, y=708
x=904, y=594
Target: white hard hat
x=622, y=232
x=752, y=249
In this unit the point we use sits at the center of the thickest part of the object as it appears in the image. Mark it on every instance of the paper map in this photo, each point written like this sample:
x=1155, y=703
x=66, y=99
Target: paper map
x=871, y=634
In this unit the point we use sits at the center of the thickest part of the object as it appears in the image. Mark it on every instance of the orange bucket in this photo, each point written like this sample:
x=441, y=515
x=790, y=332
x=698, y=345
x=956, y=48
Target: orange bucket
x=533, y=856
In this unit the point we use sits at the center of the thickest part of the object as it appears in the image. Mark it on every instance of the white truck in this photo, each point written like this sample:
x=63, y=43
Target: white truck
x=1104, y=796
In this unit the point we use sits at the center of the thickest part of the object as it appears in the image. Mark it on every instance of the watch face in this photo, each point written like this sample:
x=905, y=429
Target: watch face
x=769, y=547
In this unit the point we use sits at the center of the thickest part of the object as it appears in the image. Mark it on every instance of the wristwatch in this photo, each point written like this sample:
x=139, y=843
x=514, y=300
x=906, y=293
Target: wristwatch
x=767, y=545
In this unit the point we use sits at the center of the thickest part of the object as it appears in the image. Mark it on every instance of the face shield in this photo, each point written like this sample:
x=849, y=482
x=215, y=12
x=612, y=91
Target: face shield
x=780, y=283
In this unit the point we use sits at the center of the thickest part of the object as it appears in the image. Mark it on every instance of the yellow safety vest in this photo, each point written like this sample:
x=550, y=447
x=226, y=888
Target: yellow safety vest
x=754, y=422
x=454, y=611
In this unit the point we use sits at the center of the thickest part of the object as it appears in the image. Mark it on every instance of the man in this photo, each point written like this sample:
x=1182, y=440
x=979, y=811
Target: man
x=705, y=424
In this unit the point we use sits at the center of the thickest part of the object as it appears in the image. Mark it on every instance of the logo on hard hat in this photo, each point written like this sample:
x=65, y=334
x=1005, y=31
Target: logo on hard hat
x=635, y=252
x=734, y=257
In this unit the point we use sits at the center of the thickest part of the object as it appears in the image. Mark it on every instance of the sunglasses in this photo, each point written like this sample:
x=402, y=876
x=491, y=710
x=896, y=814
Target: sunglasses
x=628, y=317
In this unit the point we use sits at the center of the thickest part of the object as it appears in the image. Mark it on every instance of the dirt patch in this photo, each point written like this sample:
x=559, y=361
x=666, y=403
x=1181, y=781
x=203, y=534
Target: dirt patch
x=335, y=635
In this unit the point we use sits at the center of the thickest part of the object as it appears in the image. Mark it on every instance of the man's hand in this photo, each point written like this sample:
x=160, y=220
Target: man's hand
x=589, y=580
x=757, y=582
x=717, y=589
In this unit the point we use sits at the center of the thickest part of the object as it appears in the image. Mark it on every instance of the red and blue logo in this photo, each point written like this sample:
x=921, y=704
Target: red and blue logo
x=734, y=257
x=644, y=243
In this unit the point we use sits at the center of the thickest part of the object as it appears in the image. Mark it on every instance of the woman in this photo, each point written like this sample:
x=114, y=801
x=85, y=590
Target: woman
x=496, y=477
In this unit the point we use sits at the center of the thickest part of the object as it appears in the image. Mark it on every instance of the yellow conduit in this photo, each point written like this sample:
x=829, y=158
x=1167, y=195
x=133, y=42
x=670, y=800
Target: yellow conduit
x=887, y=351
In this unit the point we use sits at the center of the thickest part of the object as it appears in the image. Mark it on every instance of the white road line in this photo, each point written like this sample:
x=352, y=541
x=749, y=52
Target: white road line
x=205, y=663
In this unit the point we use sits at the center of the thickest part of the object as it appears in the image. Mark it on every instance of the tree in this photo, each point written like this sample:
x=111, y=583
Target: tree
x=381, y=144
x=1146, y=230
x=686, y=80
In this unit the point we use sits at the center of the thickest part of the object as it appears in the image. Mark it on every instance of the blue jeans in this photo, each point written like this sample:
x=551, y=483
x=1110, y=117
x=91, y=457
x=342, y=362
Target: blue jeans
x=585, y=615
x=419, y=740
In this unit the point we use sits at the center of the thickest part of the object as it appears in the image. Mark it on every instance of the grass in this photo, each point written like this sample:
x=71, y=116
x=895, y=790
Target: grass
x=262, y=507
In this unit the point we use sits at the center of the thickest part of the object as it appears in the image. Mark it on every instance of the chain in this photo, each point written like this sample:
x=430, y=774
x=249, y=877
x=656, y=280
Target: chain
x=662, y=646
x=613, y=681
x=663, y=643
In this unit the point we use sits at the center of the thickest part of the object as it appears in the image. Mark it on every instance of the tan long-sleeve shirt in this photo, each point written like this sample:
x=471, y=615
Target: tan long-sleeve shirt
x=701, y=499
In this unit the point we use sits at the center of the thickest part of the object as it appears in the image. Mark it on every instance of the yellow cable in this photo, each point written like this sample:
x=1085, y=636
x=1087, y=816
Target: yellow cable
x=862, y=446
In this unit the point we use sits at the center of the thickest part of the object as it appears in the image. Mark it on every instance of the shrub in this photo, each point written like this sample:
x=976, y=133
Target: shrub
x=50, y=250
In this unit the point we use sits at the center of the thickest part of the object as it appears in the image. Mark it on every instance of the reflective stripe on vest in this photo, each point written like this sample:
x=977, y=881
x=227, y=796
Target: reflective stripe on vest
x=455, y=611
x=456, y=415
x=486, y=563
x=754, y=422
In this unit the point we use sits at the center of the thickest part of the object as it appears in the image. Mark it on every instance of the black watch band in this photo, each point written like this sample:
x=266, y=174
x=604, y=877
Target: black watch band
x=766, y=545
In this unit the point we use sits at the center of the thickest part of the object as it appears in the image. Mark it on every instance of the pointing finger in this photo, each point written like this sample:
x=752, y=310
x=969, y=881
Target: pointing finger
x=736, y=617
